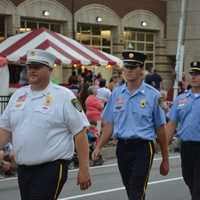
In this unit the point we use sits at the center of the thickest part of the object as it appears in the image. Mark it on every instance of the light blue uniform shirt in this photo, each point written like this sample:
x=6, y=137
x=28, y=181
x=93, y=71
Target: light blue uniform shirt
x=134, y=116
x=186, y=113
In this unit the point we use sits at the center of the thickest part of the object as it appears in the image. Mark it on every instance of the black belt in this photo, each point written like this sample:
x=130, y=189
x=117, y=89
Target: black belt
x=46, y=163
x=132, y=140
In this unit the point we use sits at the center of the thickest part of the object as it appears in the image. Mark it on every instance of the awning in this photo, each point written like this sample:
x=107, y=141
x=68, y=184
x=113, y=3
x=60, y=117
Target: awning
x=67, y=50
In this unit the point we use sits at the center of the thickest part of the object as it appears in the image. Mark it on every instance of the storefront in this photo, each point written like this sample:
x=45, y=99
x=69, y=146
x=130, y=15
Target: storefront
x=142, y=41
x=96, y=36
x=2, y=28
x=28, y=24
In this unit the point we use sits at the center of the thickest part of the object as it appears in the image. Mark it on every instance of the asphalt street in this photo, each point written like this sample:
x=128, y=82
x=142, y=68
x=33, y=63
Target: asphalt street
x=107, y=184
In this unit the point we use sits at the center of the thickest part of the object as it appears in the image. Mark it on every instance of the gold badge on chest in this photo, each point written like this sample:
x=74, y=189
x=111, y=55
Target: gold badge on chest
x=142, y=103
x=48, y=100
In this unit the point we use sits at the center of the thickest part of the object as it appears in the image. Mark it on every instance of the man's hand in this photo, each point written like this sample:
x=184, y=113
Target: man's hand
x=164, y=167
x=6, y=166
x=96, y=153
x=83, y=179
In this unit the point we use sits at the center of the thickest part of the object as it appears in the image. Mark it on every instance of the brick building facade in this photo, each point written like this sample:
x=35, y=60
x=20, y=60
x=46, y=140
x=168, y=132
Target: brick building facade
x=150, y=26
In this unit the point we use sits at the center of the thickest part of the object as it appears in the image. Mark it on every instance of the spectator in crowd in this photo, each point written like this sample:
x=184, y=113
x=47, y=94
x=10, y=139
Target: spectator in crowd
x=74, y=85
x=73, y=77
x=103, y=93
x=98, y=77
x=94, y=107
x=84, y=93
x=154, y=79
x=114, y=81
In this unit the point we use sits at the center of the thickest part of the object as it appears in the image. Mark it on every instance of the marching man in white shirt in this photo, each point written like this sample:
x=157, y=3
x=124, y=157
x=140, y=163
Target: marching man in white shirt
x=43, y=121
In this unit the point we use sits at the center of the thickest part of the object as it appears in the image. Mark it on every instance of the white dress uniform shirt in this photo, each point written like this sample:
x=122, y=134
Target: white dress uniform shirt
x=43, y=124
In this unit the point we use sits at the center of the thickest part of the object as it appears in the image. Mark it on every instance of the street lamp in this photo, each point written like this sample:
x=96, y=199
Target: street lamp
x=143, y=23
x=99, y=19
x=45, y=13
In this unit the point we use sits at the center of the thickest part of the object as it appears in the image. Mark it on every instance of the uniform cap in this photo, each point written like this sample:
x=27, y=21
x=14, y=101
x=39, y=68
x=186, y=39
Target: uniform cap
x=195, y=66
x=38, y=56
x=132, y=58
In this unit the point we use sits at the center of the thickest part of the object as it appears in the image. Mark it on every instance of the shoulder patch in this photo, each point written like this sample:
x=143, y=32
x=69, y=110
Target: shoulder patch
x=76, y=104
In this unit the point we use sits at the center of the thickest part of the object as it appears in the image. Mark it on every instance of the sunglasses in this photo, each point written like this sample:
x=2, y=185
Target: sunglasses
x=133, y=66
x=196, y=73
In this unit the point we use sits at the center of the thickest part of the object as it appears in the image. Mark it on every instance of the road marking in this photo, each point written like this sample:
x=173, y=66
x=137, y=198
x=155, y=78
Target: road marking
x=96, y=167
x=118, y=189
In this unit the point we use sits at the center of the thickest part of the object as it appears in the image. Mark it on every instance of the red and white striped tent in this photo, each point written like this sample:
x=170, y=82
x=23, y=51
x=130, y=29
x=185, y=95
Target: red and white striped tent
x=67, y=50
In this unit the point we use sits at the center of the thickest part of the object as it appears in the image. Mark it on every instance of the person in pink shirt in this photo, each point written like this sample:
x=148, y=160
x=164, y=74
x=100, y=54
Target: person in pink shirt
x=94, y=107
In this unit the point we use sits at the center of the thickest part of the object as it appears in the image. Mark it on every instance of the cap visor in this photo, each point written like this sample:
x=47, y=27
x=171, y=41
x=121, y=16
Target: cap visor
x=195, y=69
x=36, y=63
x=132, y=64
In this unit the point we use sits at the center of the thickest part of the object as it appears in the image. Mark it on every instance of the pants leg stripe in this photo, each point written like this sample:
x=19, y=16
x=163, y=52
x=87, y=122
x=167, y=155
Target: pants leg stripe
x=150, y=145
x=59, y=180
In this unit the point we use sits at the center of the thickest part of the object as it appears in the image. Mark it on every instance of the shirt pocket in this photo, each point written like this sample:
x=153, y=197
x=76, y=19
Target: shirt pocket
x=42, y=117
x=143, y=116
x=183, y=111
x=16, y=115
x=118, y=116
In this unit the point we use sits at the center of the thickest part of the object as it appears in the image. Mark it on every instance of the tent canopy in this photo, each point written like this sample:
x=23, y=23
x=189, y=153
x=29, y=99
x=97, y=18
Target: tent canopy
x=67, y=50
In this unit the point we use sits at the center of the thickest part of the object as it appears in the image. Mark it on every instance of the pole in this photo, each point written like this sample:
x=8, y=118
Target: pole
x=180, y=47
x=73, y=20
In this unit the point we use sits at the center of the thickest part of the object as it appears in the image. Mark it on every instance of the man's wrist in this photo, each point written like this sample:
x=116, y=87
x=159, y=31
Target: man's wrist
x=1, y=163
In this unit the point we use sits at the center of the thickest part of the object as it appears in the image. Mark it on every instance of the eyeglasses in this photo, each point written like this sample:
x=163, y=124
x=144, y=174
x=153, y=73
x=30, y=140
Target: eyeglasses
x=196, y=73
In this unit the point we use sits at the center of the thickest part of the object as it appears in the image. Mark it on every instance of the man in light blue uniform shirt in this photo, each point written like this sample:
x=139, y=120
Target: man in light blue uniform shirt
x=134, y=117
x=185, y=116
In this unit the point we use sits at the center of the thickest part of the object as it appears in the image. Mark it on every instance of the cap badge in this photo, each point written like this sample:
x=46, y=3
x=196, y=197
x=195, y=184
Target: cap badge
x=142, y=103
x=131, y=55
x=195, y=64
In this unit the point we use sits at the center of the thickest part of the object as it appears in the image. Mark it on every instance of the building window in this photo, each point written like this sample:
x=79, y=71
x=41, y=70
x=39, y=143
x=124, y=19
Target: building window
x=142, y=41
x=95, y=36
x=30, y=24
x=2, y=28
